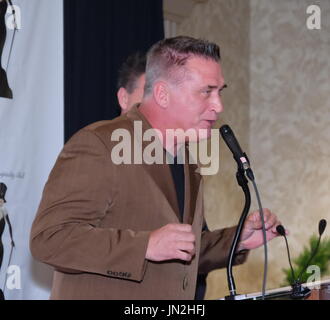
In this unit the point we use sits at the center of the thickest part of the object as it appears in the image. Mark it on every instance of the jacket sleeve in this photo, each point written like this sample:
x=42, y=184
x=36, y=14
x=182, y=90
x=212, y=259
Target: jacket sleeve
x=66, y=232
x=215, y=247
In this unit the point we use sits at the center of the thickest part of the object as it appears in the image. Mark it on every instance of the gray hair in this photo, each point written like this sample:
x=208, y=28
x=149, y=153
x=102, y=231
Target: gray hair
x=166, y=59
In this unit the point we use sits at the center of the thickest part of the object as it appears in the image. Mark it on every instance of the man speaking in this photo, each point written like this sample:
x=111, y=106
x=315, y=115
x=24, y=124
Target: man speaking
x=134, y=231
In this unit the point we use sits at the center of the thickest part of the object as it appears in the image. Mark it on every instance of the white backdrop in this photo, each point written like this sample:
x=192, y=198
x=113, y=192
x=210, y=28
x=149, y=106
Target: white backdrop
x=31, y=135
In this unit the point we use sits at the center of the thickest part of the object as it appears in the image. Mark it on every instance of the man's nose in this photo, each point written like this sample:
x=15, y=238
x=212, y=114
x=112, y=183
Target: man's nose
x=217, y=105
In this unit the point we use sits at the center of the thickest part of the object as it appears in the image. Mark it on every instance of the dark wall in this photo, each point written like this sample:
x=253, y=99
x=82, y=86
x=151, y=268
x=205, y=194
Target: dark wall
x=98, y=36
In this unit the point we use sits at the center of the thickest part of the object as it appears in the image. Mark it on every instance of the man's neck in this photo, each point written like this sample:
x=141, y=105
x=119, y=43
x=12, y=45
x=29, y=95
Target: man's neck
x=158, y=121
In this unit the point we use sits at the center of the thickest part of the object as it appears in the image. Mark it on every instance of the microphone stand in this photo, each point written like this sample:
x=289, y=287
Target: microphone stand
x=243, y=183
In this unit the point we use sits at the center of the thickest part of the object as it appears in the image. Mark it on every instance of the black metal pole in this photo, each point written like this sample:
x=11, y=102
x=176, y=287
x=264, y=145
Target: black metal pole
x=243, y=183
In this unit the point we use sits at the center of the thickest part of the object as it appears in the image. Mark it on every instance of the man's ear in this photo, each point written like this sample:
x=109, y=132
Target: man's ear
x=122, y=96
x=161, y=94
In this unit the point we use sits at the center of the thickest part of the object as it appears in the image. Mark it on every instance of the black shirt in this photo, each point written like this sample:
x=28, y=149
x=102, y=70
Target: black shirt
x=177, y=170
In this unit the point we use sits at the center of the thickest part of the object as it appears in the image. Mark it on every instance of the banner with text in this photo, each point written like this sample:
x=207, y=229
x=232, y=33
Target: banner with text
x=31, y=136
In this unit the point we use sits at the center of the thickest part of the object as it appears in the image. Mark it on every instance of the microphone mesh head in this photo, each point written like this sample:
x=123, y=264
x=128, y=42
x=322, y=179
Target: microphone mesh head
x=280, y=229
x=322, y=226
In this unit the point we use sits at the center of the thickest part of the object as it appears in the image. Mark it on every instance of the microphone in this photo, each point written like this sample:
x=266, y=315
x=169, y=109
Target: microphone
x=298, y=291
x=322, y=226
x=233, y=145
x=281, y=231
x=243, y=168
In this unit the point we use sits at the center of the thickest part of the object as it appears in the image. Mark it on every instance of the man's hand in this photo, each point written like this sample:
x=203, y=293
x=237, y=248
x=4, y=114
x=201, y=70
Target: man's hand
x=252, y=237
x=173, y=241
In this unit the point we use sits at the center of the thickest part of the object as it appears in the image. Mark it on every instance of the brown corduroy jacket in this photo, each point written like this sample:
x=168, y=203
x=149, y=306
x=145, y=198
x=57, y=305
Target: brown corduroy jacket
x=95, y=218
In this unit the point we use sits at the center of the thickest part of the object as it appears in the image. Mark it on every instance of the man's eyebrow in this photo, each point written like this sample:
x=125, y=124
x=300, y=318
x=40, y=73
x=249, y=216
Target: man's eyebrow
x=215, y=87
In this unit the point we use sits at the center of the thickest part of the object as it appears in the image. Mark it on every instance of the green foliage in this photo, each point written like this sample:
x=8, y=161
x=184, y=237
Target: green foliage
x=321, y=259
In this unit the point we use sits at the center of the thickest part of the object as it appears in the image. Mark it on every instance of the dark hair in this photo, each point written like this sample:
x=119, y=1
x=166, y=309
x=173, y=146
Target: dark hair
x=131, y=69
x=170, y=54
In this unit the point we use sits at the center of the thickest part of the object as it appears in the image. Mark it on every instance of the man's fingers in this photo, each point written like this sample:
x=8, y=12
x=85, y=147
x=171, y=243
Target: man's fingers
x=189, y=247
x=184, y=236
x=172, y=241
x=269, y=218
x=182, y=255
x=180, y=227
x=182, y=232
x=268, y=215
x=271, y=222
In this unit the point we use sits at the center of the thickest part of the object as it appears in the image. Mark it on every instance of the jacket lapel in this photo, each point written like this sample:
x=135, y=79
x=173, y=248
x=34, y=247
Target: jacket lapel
x=159, y=173
x=192, y=182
